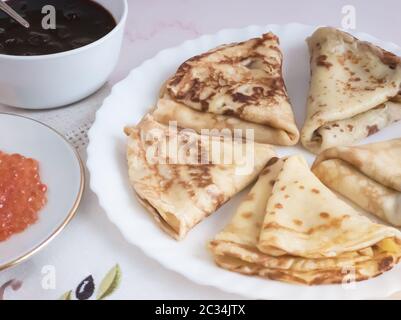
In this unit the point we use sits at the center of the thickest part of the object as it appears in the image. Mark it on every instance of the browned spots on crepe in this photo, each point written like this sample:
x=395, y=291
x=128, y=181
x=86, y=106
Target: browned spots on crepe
x=322, y=61
x=390, y=59
x=287, y=196
x=199, y=89
x=385, y=264
x=201, y=175
x=278, y=206
x=275, y=225
x=315, y=190
x=324, y=215
x=298, y=222
x=334, y=223
x=272, y=161
x=350, y=56
x=239, y=97
x=272, y=182
x=372, y=129
x=265, y=171
x=341, y=60
x=283, y=188
x=301, y=187
x=247, y=215
x=331, y=277
x=249, y=197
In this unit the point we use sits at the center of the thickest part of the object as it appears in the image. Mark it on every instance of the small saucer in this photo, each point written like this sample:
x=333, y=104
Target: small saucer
x=61, y=169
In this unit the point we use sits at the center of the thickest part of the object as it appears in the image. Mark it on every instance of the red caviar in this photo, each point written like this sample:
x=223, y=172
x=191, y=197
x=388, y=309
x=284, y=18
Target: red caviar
x=22, y=194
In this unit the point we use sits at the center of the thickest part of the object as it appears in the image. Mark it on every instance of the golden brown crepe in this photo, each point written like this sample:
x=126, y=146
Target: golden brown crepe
x=235, y=86
x=292, y=228
x=368, y=175
x=354, y=90
x=181, y=188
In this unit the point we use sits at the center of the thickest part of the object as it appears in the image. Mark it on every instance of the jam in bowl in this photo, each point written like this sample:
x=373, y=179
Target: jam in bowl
x=66, y=25
x=48, y=68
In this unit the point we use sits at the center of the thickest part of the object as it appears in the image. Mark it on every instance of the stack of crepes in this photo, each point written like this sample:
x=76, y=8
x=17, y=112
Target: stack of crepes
x=229, y=91
x=368, y=175
x=354, y=90
x=237, y=86
x=181, y=177
x=290, y=227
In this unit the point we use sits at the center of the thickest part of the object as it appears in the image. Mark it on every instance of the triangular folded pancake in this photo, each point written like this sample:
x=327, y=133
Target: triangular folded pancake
x=368, y=175
x=353, y=91
x=235, y=86
x=181, y=177
x=290, y=227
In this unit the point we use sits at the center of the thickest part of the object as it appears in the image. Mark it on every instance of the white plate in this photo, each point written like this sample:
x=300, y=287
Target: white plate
x=60, y=169
x=130, y=100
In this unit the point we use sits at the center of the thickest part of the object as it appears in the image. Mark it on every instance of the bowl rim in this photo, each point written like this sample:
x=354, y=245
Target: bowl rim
x=71, y=214
x=120, y=25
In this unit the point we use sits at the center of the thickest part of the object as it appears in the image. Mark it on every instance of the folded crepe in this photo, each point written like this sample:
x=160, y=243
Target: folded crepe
x=181, y=177
x=235, y=86
x=354, y=90
x=368, y=175
x=292, y=228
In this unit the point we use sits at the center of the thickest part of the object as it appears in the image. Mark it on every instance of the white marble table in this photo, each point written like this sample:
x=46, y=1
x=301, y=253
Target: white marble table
x=91, y=245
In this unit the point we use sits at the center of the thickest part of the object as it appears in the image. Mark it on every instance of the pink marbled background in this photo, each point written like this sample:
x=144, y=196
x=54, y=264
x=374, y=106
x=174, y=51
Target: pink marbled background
x=157, y=24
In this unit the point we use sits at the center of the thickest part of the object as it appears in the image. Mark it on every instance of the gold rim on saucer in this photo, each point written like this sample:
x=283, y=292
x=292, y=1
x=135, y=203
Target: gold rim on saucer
x=70, y=215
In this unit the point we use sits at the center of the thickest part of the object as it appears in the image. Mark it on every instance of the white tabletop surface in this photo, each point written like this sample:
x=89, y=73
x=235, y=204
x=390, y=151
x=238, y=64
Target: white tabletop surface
x=91, y=245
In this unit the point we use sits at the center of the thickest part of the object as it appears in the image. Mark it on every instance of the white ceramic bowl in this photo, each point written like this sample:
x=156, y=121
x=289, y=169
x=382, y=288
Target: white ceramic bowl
x=54, y=80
